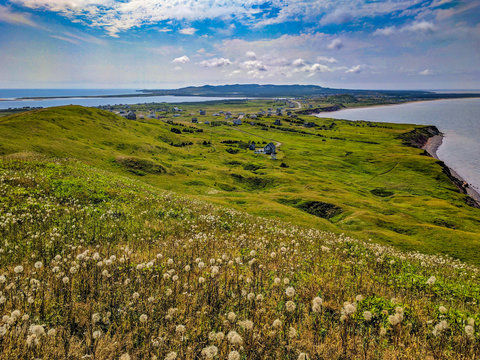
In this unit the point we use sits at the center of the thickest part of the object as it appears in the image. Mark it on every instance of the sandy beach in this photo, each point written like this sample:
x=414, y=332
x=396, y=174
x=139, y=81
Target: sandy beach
x=431, y=147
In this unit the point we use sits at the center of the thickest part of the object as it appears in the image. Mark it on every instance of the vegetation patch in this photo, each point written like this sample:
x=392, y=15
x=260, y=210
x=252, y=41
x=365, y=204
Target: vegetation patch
x=318, y=208
x=381, y=192
x=140, y=166
x=226, y=187
x=253, y=167
x=195, y=183
x=253, y=182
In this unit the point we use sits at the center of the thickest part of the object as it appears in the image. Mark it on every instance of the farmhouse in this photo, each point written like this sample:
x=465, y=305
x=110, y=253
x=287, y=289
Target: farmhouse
x=270, y=149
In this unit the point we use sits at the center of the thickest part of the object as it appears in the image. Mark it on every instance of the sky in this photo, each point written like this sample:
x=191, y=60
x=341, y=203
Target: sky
x=136, y=44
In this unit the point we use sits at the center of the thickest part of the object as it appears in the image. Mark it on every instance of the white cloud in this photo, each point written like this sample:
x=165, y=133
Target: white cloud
x=16, y=18
x=426, y=72
x=390, y=30
x=298, y=62
x=181, y=60
x=418, y=27
x=254, y=65
x=66, y=39
x=251, y=55
x=187, y=31
x=336, y=44
x=354, y=69
x=421, y=26
x=216, y=62
x=330, y=60
x=117, y=16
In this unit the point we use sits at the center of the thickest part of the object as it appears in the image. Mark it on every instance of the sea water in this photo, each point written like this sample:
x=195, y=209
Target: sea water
x=11, y=98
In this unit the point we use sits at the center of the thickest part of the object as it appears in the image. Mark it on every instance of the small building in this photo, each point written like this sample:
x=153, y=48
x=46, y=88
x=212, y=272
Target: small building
x=277, y=122
x=195, y=120
x=131, y=116
x=310, y=124
x=207, y=122
x=227, y=116
x=202, y=112
x=279, y=111
x=252, y=146
x=269, y=149
x=152, y=115
x=237, y=122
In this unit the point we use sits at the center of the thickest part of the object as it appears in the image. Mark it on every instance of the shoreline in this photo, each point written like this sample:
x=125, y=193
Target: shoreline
x=391, y=104
x=431, y=147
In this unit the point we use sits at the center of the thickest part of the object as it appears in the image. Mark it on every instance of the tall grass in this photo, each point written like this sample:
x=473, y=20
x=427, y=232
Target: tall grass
x=95, y=266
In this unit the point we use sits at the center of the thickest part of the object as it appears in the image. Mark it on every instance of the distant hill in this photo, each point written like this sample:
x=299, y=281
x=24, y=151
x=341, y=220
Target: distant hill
x=256, y=90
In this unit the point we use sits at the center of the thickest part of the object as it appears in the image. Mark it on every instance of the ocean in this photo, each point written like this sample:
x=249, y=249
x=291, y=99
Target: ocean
x=10, y=97
x=458, y=120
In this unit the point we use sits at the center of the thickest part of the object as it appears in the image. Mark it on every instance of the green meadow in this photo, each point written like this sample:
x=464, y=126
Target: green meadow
x=355, y=178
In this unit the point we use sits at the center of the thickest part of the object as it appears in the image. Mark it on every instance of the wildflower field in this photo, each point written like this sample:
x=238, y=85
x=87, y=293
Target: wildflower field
x=95, y=265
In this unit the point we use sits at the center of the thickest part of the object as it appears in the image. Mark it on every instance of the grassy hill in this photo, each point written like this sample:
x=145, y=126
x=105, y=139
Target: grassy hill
x=100, y=260
x=347, y=177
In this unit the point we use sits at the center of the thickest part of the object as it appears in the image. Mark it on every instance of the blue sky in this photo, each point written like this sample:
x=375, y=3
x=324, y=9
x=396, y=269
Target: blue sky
x=395, y=44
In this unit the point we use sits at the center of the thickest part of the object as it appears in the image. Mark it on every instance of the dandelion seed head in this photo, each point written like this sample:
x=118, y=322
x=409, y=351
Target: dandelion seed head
x=290, y=306
x=171, y=356
x=231, y=316
x=277, y=324
x=469, y=330
x=290, y=291
x=367, y=315
x=234, y=355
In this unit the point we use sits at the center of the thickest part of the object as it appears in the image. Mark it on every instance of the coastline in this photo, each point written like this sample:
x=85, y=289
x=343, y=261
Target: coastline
x=431, y=147
x=390, y=104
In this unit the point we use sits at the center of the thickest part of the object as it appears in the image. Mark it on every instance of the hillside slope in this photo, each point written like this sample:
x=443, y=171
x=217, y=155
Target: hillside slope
x=96, y=265
x=350, y=177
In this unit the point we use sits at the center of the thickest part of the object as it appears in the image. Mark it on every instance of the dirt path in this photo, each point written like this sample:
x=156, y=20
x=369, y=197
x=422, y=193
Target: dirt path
x=277, y=143
x=299, y=105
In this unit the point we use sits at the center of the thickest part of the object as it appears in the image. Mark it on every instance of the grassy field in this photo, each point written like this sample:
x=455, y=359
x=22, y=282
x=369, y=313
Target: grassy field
x=347, y=177
x=96, y=265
